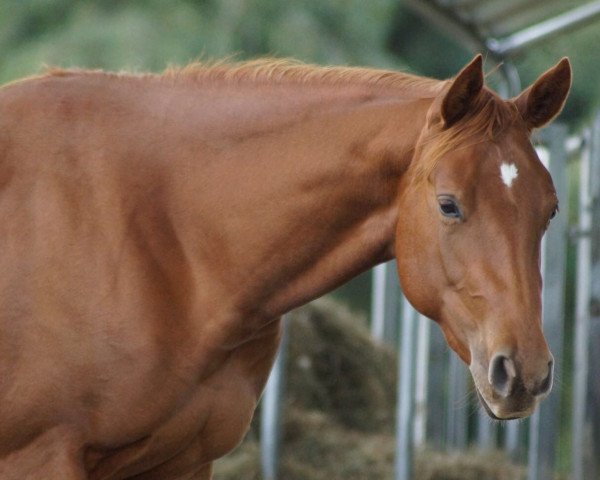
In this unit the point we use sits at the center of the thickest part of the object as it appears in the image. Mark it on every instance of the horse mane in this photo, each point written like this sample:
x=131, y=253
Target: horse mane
x=278, y=71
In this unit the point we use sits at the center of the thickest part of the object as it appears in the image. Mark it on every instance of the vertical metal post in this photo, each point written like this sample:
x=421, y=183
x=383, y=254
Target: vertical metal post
x=510, y=75
x=486, y=432
x=270, y=419
x=421, y=381
x=456, y=429
x=436, y=392
x=582, y=318
x=592, y=465
x=385, y=303
x=406, y=393
x=378, y=297
x=512, y=441
x=544, y=425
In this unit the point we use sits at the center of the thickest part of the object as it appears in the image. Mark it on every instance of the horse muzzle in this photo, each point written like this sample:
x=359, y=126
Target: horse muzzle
x=506, y=392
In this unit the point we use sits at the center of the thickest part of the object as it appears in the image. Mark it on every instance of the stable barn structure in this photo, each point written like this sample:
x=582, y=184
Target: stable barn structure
x=433, y=383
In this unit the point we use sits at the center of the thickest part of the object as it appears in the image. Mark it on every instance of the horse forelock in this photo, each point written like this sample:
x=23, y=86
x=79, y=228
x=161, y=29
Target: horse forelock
x=491, y=117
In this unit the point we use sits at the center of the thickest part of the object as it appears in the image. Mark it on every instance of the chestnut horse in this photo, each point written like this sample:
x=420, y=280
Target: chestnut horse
x=154, y=229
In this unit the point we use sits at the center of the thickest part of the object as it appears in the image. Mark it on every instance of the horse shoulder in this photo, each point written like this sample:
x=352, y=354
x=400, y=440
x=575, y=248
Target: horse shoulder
x=54, y=453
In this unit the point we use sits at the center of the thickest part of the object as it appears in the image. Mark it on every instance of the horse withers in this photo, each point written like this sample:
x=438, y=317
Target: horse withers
x=154, y=228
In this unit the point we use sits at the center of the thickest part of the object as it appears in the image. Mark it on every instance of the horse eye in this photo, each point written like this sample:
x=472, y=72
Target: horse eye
x=449, y=208
x=554, y=212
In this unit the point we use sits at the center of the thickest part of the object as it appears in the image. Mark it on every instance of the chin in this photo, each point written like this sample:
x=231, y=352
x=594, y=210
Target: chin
x=500, y=413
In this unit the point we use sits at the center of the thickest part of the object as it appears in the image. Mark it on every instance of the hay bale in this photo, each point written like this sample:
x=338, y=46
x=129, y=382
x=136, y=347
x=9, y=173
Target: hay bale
x=241, y=464
x=470, y=465
x=334, y=367
x=339, y=411
x=317, y=447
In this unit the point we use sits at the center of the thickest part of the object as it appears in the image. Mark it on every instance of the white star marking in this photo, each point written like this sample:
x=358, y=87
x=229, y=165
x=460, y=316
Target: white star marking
x=508, y=172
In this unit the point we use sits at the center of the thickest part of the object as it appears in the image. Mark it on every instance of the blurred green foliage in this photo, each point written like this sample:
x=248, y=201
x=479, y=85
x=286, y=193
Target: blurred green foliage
x=151, y=34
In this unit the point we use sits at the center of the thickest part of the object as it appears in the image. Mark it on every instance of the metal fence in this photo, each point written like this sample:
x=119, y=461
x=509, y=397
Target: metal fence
x=432, y=379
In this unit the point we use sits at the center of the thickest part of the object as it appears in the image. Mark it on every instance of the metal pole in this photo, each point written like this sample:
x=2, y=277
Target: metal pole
x=582, y=317
x=486, y=432
x=544, y=426
x=592, y=464
x=406, y=393
x=512, y=441
x=421, y=381
x=516, y=42
x=436, y=391
x=385, y=303
x=511, y=77
x=378, y=302
x=270, y=419
x=456, y=430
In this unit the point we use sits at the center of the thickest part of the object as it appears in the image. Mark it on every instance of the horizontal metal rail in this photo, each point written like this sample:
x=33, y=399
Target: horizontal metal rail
x=515, y=43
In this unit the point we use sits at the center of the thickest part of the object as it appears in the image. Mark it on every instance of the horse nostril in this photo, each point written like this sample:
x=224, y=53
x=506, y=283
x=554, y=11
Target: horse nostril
x=501, y=375
x=546, y=384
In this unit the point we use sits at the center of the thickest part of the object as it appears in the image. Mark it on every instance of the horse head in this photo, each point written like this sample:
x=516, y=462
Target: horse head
x=474, y=205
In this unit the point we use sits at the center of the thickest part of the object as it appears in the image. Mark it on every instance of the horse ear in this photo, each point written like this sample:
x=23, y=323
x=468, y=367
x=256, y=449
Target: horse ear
x=463, y=92
x=544, y=99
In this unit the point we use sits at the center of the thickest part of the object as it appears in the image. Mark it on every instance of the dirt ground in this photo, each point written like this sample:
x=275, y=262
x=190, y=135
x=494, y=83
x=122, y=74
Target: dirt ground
x=339, y=411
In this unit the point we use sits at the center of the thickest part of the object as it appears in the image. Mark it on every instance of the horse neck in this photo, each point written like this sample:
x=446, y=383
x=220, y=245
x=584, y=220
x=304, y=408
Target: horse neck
x=302, y=200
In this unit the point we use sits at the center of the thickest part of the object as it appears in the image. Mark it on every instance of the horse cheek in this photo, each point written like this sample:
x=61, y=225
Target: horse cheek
x=416, y=263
